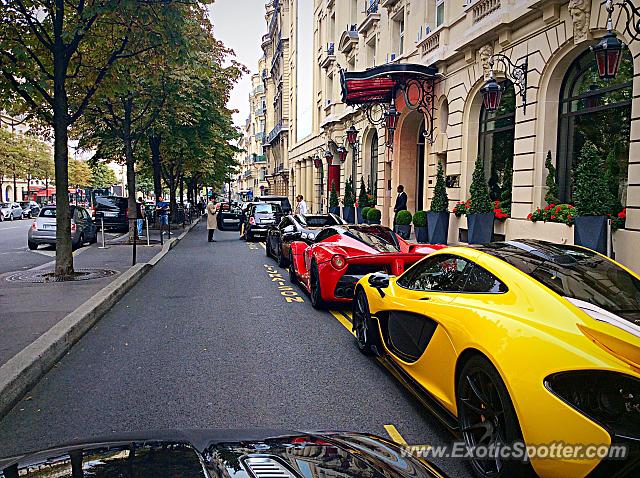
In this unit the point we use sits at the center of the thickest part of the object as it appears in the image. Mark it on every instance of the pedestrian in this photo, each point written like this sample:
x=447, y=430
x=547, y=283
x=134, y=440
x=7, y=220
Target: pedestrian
x=302, y=205
x=211, y=220
x=140, y=215
x=401, y=200
x=163, y=213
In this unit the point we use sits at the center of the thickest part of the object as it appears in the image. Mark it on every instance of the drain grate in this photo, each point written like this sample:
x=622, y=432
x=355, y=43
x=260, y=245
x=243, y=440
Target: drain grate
x=46, y=276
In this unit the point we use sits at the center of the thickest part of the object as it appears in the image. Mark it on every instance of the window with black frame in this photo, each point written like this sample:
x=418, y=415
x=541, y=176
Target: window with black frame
x=496, y=139
x=373, y=179
x=595, y=110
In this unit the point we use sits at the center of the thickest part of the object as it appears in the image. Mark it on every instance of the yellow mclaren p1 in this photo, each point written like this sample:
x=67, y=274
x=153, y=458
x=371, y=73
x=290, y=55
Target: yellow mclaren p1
x=517, y=344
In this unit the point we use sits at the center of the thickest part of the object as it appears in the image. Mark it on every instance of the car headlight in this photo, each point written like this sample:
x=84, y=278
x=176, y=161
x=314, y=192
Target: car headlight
x=311, y=235
x=611, y=399
x=303, y=235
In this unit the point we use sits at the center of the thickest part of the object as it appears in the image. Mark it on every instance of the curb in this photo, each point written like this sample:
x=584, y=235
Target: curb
x=23, y=371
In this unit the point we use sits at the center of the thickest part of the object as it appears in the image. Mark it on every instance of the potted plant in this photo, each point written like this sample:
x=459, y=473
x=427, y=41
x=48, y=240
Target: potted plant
x=334, y=203
x=438, y=215
x=480, y=213
x=403, y=224
x=348, y=212
x=374, y=215
x=364, y=211
x=363, y=201
x=551, y=196
x=593, y=200
x=420, y=226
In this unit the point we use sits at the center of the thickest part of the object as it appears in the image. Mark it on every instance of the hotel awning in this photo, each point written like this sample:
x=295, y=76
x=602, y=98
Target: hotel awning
x=379, y=84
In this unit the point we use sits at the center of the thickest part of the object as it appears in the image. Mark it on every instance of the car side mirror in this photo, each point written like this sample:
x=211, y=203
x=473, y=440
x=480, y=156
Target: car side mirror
x=379, y=281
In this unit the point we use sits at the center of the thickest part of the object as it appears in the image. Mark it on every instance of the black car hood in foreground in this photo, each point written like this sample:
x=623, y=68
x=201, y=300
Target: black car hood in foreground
x=224, y=454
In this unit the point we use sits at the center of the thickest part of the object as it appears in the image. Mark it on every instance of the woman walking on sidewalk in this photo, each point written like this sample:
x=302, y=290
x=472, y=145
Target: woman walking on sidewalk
x=211, y=220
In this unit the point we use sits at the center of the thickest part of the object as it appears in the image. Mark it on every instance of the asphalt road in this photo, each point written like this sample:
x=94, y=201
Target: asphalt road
x=14, y=254
x=209, y=339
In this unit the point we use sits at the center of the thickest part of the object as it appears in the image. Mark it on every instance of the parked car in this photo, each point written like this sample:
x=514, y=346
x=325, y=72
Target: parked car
x=219, y=454
x=259, y=218
x=283, y=201
x=341, y=255
x=296, y=227
x=43, y=229
x=30, y=209
x=114, y=211
x=10, y=211
x=534, y=341
x=229, y=217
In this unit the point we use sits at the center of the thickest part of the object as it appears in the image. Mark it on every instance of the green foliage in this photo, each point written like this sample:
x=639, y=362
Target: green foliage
x=374, y=214
x=612, y=175
x=102, y=176
x=371, y=195
x=592, y=196
x=403, y=218
x=479, y=191
x=80, y=173
x=365, y=210
x=563, y=213
x=420, y=219
x=349, y=197
x=551, y=196
x=333, y=197
x=363, y=199
x=440, y=200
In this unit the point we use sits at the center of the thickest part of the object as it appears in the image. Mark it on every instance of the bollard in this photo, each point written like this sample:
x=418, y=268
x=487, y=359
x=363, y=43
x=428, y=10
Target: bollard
x=609, y=239
x=135, y=243
x=102, y=227
x=146, y=220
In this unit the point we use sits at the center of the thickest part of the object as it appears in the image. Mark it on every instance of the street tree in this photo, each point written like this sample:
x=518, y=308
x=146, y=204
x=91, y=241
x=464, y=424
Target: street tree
x=102, y=176
x=54, y=57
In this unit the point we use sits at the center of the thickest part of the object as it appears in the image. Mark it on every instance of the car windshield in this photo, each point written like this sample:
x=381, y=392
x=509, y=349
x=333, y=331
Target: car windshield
x=48, y=212
x=580, y=274
x=318, y=221
x=379, y=238
x=266, y=208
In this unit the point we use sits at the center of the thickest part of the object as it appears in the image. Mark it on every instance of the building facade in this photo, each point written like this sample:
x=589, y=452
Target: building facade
x=563, y=105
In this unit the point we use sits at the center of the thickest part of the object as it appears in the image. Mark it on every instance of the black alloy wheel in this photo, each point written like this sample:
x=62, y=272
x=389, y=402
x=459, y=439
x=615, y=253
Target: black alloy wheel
x=315, y=290
x=486, y=417
x=267, y=246
x=363, y=325
x=282, y=262
x=292, y=270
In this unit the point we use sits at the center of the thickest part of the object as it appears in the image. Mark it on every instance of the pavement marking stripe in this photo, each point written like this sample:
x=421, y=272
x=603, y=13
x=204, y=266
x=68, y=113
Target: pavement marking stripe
x=395, y=435
x=341, y=318
x=262, y=245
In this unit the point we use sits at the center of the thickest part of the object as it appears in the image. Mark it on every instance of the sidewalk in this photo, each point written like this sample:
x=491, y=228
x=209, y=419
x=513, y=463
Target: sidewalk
x=30, y=309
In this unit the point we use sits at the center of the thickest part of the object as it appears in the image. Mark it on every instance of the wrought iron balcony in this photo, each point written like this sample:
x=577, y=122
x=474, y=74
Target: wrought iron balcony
x=372, y=7
x=275, y=132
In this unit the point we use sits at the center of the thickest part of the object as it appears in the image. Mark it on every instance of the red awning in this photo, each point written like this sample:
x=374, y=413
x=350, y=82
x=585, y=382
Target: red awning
x=46, y=192
x=379, y=84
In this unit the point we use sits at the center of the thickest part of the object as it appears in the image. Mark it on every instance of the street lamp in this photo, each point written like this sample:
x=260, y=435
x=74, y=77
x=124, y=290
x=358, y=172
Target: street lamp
x=608, y=51
x=352, y=135
x=328, y=156
x=492, y=91
x=391, y=122
x=342, y=154
x=491, y=94
x=317, y=162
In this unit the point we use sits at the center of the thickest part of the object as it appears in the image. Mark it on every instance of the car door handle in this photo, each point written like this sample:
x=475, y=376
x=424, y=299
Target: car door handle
x=425, y=298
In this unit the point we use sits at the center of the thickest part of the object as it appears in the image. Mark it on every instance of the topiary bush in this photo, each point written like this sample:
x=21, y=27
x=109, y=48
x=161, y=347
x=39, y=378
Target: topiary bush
x=592, y=196
x=440, y=201
x=363, y=199
x=333, y=197
x=374, y=214
x=551, y=196
x=365, y=211
x=479, y=191
x=349, y=197
x=403, y=218
x=420, y=219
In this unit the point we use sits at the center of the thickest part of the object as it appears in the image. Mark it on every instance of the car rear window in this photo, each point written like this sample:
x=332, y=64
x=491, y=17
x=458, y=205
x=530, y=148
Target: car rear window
x=111, y=201
x=51, y=211
x=265, y=208
x=318, y=221
x=380, y=239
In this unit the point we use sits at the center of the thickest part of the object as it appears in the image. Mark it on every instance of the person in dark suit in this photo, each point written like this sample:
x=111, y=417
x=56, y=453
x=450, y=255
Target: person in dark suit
x=401, y=200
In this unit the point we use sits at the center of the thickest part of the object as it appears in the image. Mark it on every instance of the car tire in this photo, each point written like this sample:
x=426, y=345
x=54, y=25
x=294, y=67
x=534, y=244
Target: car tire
x=364, y=327
x=248, y=236
x=11, y=217
x=315, y=290
x=282, y=261
x=292, y=270
x=32, y=245
x=267, y=248
x=77, y=245
x=94, y=239
x=486, y=416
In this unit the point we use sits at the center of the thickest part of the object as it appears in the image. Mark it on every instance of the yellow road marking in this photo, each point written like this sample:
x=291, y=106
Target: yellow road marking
x=262, y=245
x=338, y=315
x=395, y=435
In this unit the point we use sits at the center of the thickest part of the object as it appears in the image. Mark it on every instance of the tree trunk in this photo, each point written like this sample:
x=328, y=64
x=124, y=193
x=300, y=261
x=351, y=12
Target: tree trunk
x=154, y=145
x=64, y=249
x=15, y=187
x=172, y=197
x=182, y=189
x=131, y=167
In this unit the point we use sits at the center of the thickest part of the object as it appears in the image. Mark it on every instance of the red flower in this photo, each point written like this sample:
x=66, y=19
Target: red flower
x=623, y=214
x=558, y=209
x=530, y=216
x=553, y=217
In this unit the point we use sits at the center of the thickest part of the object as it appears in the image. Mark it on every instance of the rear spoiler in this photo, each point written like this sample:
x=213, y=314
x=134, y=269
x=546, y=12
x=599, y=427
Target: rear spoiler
x=399, y=262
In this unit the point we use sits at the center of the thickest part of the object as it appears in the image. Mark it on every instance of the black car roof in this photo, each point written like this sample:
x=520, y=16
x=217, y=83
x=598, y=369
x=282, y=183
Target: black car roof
x=534, y=250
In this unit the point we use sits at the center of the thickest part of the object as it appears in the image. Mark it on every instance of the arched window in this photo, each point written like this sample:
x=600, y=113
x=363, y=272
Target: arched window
x=373, y=163
x=496, y=139
x=595, y=110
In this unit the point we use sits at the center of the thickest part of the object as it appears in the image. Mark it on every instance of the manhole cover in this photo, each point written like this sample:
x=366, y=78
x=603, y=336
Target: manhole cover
x=44, y=276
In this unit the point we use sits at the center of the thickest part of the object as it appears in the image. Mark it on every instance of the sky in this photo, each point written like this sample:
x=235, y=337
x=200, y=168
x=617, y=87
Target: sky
x=240, y=24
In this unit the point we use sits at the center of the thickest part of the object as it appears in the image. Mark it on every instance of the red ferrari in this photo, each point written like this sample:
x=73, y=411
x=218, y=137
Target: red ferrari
x=341, y=255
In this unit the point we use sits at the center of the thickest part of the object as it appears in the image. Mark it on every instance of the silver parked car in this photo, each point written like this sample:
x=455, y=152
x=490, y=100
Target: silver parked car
x=43, y=230
x=10, y=211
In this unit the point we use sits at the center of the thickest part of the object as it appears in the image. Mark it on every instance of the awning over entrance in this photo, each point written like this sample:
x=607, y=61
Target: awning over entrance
x=379, y=84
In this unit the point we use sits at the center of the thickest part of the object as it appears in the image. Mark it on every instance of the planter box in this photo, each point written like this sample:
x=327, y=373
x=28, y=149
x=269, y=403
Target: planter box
x=403, y=231
x=438, y=227
x=591, y=232
x=361, y=220
x=480, y=228
x=334, y=210
x=422, y=236
x=349, y=214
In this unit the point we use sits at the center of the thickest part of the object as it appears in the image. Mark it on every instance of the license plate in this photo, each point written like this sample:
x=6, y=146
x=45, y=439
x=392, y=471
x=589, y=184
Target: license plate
x=232, y=220
x=267, y=221
x=46, y=227
x=110, y=214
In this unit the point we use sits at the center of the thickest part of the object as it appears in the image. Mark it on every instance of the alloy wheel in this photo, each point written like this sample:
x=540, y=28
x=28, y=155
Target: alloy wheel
x=316, y=294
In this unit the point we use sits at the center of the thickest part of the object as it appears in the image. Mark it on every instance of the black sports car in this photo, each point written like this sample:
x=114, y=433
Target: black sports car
x=225, y=454
x=296, y=227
